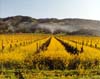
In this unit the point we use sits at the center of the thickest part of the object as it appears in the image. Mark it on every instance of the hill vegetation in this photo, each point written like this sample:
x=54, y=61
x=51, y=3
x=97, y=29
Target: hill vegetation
x=26, y=24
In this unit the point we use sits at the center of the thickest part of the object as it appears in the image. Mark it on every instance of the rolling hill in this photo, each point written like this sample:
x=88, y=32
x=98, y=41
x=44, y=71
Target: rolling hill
x=26, y=24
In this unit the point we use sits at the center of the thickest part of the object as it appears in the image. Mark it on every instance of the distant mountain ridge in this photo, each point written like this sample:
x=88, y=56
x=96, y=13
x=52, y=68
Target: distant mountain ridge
x=25, y=24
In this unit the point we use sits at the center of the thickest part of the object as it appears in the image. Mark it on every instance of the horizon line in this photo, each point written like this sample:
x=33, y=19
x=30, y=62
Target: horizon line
x=49, y=17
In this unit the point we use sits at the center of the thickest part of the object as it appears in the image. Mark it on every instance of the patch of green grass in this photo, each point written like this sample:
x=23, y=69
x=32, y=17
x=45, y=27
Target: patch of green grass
x=52, y=74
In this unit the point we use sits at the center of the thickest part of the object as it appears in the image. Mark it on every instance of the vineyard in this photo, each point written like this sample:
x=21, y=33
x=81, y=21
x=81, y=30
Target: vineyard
x=33, y=56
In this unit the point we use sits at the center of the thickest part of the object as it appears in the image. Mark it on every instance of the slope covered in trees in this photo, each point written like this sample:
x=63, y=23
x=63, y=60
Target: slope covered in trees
x=25, y=24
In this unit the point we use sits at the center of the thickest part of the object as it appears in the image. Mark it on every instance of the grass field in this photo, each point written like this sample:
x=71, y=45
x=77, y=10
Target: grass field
x=44, y=56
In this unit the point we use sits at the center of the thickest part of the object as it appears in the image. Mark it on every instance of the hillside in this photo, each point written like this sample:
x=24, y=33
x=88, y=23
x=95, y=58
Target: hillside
x=25, y=24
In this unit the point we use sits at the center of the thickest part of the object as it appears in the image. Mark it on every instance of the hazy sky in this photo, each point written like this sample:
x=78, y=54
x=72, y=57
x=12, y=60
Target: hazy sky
x=88, y=9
